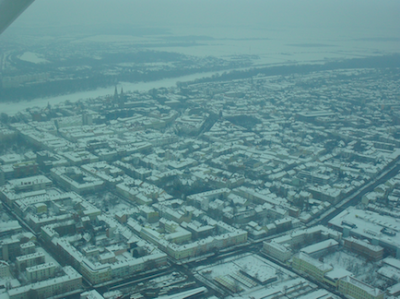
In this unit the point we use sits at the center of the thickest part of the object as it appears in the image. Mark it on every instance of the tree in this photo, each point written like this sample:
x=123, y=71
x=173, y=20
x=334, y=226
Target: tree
x=236, y=286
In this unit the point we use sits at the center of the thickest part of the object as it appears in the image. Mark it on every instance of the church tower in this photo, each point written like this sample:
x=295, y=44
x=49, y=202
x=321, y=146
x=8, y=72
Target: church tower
x=115, y=94
x=121, y=100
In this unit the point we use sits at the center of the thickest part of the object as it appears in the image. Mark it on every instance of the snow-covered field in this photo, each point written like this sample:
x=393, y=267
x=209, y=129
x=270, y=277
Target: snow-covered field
x=294, y=44
x=32, y=57
x=359, y=266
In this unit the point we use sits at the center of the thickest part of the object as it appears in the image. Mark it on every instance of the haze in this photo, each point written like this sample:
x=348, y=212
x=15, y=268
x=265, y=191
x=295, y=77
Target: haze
x=215, y=149
x=342, y=16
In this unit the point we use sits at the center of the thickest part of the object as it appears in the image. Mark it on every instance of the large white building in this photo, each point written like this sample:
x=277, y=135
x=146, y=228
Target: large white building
x=77, y=180
x=71, y=281
x=382, y=230
x=40, y=272
x=181, y=252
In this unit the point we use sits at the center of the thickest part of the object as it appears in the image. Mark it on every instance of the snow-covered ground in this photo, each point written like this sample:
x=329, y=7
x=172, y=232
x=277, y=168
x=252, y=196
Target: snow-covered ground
x=294, y=44
x=272, y=46
x=33, y=58
x=358, y=265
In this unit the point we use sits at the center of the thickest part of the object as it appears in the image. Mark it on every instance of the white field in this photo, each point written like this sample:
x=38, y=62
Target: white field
x=32, y=57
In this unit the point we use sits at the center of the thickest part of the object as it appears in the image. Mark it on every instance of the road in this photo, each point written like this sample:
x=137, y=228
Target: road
x=356, y=197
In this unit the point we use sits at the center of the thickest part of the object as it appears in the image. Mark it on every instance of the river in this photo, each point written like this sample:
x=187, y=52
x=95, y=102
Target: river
x=11, y=108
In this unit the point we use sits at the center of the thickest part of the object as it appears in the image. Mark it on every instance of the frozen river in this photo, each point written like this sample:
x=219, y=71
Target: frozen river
x=272, y=46
x=11, y=108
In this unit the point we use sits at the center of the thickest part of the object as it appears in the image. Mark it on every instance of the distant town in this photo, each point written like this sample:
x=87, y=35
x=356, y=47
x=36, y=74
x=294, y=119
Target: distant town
x=269, y=186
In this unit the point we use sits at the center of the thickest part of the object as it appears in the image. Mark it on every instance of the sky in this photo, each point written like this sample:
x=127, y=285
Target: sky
x=382, y=15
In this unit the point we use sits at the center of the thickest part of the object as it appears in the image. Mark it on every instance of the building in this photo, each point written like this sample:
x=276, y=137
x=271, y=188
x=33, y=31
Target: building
x=313, y=267
x=376, y=228
x=333, y=277
x=29, y=184
x=128, y=254
x=75, y=179
x=169, y=243
x=48, y=160
x=280, y=247
x=70, y=282
x=28, y=248
x=91, y=295
x=321, y=248
x=373, y=252
x=25, y=261
x=76, y=158
x=40, y=272
x=278, y=251
x=17, y=170
x=359, y=290
x=4, y=269
x=394, y=290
